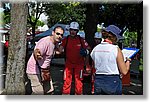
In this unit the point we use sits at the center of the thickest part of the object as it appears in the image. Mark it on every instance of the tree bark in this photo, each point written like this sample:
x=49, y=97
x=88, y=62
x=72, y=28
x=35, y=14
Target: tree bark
x=91, y=22
x=14, y=84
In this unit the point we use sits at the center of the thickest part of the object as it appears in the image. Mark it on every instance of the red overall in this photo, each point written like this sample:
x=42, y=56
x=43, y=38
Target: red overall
x=6, y=44
x=74, y=64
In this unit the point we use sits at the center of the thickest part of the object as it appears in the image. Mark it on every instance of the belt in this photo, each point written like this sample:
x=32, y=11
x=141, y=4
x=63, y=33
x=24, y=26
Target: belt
x=107, y=75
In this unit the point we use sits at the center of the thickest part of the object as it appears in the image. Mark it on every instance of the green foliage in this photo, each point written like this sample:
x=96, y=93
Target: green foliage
x=38, y=23
x=5, y=18
x=141, y=64
x=65, y=13
x=130, y=38
x=141, y=56
x=1, y=17
x=123, y=14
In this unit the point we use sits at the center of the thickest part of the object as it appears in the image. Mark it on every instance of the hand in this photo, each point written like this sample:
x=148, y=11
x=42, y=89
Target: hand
x=83, y=52
x=128, y=59
x=37, y=54
x=87, y=69
x=45, y=74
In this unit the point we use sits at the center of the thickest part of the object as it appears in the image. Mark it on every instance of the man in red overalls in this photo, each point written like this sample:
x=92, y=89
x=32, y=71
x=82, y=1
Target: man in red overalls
x=74, y=59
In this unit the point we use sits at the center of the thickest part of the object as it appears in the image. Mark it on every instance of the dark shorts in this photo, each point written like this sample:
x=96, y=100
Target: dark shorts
x=107, y=85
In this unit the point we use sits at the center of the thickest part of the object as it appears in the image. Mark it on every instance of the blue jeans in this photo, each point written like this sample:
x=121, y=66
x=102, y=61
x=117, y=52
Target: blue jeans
x=107, y=85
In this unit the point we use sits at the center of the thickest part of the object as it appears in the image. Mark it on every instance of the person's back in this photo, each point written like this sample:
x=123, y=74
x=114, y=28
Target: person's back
x=105, y=61
x=109, y=63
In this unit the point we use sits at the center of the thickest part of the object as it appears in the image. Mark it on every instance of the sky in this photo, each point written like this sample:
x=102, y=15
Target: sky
x=1, y=9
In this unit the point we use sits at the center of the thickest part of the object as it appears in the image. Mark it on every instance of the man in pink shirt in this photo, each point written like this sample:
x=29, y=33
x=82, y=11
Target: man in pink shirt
x=41, y=57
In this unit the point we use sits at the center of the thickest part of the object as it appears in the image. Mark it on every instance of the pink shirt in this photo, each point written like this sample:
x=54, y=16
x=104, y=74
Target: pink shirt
x=46, y=48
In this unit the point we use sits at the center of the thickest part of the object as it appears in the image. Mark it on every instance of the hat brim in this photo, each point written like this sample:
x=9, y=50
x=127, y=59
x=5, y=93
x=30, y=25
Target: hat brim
x=73, y=28
x=118, y=36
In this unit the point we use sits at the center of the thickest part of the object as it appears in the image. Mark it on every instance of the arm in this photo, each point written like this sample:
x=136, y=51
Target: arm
x=85, y=50
x=59, y=49
x=43, y=52
x=123, y=67
x=37, y=54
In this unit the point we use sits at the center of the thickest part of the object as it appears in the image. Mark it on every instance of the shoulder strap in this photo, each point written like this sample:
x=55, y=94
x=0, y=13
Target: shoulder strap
x=65, y=47
x=80, y=41
x=67, y=43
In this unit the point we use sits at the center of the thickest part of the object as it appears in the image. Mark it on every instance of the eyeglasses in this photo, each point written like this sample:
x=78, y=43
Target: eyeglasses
x=59, y=34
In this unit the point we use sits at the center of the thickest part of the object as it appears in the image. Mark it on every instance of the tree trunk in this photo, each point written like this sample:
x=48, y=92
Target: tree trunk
x=17, y=50
x=91, y=23
x=33, y=29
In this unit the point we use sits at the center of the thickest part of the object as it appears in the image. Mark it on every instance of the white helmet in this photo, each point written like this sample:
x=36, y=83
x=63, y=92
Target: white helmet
x=98, y=35
x=74, y=25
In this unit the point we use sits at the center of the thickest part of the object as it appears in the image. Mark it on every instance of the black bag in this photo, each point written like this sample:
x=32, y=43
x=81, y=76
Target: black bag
x=87, y=78
x=87, y=74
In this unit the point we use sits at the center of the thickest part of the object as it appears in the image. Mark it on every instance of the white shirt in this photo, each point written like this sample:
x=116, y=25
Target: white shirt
x=104, y=56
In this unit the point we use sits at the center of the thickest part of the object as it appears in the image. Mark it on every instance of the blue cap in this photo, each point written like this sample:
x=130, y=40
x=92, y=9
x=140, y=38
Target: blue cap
x=114, y=30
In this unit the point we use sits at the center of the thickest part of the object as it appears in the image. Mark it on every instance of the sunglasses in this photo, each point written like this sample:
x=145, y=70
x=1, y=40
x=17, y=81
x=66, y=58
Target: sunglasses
x=59, y=34
x=74, y=30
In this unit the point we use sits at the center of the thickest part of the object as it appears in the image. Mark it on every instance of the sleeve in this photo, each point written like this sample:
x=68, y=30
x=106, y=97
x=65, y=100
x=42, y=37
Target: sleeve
x=41, y=45
x=48, y=56
x=46, y=50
